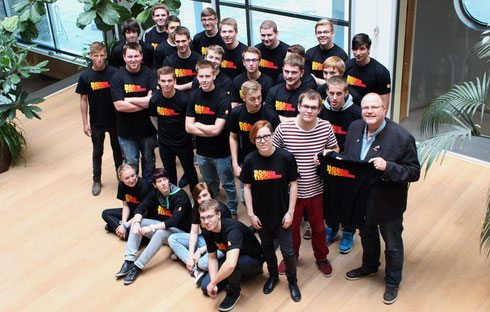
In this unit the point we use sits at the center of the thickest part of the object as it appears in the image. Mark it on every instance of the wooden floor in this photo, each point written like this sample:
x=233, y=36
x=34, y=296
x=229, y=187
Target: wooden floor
x=58, y=257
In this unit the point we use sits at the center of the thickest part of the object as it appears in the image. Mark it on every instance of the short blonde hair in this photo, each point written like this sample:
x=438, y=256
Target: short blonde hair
x=250, y=86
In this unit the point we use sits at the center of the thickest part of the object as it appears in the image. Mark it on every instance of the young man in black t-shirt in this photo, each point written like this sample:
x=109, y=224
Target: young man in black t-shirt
x=283, y=98
x=94, y=89
x=131, y=32
x=131, y=89
x=167, y=47
x=241, y=120
x=251, y=60
x=273, y=51
x=184, y=60
x=157, y=34
x=340, y=111
x=167, y=210
x=334, y=66
x=206, y=119
x=170, y=107
x=315, y=56
x=243, y=254
x=210, y=35
x=365, y=74
x=307, y=79
x=232, y=63
x=215, y=54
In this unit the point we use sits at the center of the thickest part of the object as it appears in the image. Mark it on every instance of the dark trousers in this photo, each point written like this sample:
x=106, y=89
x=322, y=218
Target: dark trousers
x=98, y=136
x=186, y=157
x=112, y=217
x=392, y=235
x=246, y=266
x=334, y=225
x=285, y=238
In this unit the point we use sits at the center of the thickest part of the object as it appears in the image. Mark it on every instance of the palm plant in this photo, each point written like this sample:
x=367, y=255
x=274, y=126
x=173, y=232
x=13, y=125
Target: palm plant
x=452, y=118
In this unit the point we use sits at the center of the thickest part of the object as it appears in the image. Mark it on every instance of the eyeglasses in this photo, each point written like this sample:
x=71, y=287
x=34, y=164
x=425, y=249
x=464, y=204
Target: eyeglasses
x=208, y=218
x=251, y=60
x=208, y=19
x=265, y=138
x=371, y=108
x=308, y=107
x=325, y=32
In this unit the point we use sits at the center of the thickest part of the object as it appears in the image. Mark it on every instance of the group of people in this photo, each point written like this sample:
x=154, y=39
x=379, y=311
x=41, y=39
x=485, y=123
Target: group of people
x=291, y=125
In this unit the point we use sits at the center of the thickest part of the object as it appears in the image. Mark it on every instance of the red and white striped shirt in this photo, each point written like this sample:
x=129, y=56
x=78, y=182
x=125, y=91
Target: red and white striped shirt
x=304, y=145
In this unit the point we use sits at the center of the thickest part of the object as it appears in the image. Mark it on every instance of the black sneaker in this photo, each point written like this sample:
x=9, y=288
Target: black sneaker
x=124, y=269
x=132, y=275
x=391, y=293
x=358, y=273
x=183, y=181
x=294, y=291
x=229, y=302
x=107, y=228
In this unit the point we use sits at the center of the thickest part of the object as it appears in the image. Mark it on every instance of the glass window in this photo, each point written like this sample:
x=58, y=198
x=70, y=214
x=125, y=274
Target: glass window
x=2, y=11
x=478, y=11
x=68, y=36
x=307, y=7
x=239, y=15
x=190, y=15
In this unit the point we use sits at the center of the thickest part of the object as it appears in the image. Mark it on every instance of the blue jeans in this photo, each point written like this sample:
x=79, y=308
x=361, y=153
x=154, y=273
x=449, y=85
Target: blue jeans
x=392, y=235
x=179, y=242
x=246, y=266
x=214, y=170
x=131, y=149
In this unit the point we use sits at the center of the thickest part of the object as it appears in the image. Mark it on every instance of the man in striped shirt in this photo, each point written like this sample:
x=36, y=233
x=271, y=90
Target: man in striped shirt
x=305, y=136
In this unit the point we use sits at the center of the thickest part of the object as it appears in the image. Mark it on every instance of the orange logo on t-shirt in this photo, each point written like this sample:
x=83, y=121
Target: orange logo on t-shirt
x=353, y=81
x=164, y=212
x=267, y=64
x=227, y=64
x=129, y=88
x=204, y=50
x=339, y=172
x=99, y=85
x=166, y=111
x=338, y=129
x=266, y=175
x=130, y=199
x=283, y=106
x=203, y=110
x=184, y=72
x=155, y=45
x=245, y=126
x=221, y=247
x=316, y=66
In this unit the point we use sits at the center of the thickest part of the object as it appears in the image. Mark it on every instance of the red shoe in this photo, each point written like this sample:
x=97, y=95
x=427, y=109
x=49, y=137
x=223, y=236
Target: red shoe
x=282, y=268
x=325, y=267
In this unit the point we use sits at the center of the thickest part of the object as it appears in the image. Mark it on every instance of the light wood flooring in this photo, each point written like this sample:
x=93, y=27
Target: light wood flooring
x=58, y=257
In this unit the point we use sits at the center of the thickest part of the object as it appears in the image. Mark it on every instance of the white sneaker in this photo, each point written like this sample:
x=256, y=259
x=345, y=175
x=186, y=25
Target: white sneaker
x=174, y=257
x=199, y=275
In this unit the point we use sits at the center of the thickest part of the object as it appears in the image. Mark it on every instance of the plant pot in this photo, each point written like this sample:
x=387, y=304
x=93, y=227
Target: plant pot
x=5, y=157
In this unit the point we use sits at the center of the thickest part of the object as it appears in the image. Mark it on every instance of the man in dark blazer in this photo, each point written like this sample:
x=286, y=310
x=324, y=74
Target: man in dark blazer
x=391, y=149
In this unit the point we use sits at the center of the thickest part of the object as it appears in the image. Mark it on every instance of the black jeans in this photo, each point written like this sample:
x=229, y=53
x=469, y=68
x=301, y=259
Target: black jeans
x=186, y=157
x=98, y=136
x=112, y=217
x=285, y=238
x=392, y=235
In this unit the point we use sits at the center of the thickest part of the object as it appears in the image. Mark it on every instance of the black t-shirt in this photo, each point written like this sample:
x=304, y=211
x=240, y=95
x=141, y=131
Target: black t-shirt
x=96, y=85
x=241, y=121
x=201, y=42
x=206, y=107
x=185, y=69
x=125, y=84
x=284, y=101
x=222, y=81
x=322, y=89
x=225, y=213
x=232, y=64
x=272, y=59
x=163, y=50
x=171, y=114
x=233, y=235
x=270, y=177
x=175, y=209
x=154, y=38
x=307, y=80
x=341, y=120
x=133, y=196
x=117, y=53
x=346, y=187
x=316, y=56
x=373, y=77
x=265, y=82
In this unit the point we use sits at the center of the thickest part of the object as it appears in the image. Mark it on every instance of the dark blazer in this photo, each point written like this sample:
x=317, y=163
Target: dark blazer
x=388, y=196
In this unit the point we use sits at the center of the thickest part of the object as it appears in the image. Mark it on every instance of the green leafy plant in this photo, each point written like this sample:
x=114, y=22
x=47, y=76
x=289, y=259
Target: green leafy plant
x=457, y=116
